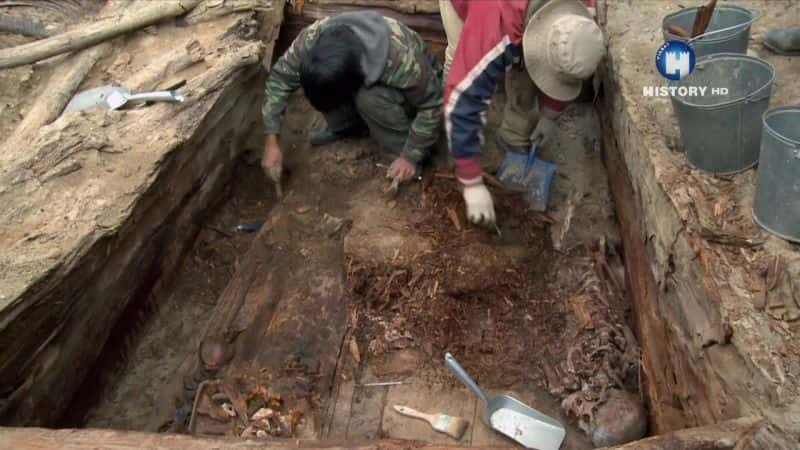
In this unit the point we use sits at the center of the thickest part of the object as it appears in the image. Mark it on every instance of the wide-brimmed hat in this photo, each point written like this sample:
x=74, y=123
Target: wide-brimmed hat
x=562, y=46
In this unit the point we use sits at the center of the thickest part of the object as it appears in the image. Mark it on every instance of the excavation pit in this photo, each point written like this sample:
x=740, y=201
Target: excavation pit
x=343, y=303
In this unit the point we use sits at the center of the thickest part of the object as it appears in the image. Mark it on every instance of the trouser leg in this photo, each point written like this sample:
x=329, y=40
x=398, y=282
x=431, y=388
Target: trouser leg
x=452, y=29
x=343, y=118
x=521, y=111
x=388, y=116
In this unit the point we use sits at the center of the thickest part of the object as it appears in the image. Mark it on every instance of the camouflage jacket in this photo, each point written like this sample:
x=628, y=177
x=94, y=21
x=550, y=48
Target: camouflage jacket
x=410, y=68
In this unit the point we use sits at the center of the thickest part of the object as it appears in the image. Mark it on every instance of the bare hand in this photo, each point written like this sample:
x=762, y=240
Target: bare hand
x=401, y=170
x=272, y=160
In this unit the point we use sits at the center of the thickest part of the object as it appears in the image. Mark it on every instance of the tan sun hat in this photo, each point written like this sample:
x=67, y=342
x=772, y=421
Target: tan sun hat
x=562, y=46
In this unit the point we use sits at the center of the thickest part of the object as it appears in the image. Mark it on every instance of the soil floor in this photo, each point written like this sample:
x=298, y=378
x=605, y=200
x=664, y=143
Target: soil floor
x=539, y=312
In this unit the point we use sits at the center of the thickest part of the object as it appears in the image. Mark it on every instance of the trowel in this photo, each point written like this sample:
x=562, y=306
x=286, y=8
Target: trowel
x=115, y=97
x=512, y=418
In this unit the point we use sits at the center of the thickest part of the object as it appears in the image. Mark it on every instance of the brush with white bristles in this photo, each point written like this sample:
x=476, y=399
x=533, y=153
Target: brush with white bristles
x=449, y=425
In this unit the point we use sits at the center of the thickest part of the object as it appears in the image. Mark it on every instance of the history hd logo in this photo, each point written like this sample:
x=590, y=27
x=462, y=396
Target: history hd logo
x=675, y=60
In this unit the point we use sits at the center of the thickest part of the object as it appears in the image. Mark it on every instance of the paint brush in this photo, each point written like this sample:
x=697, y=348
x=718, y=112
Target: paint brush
x=449, y=425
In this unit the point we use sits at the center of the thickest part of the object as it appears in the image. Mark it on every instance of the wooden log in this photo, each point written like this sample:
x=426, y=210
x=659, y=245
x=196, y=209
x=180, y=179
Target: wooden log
x=746, y=433
x=402, y=6
x=45, y=439
x=56, y=94
x=285, y=308
x=26, y=27
x=99, y=31
x=212, y=9
x=722, y=436
x=184, y=55
x=428, y=25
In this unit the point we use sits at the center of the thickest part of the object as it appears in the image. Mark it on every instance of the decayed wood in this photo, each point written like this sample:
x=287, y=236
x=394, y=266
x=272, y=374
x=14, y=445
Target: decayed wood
x=403, y=6
x=99, y=31
x=186, y=54
x=650, y=327
x=427, y=23
x=212, y=9
x=45, y=439
x=26, y=27
x=721, y=436
x=738, y=434
x=281, y=305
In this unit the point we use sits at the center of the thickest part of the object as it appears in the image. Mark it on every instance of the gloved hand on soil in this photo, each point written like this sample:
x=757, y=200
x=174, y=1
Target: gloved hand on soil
x=272, y=160
x=480, y=207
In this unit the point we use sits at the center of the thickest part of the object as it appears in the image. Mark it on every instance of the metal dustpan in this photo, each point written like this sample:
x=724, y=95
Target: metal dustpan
x=525, y=172
x=512, y=418
x=115, y=97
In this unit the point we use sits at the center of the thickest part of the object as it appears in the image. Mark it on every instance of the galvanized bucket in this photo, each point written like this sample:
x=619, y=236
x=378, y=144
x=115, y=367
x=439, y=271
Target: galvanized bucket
x=777, y=203
x=728, y=31
x=721, y=133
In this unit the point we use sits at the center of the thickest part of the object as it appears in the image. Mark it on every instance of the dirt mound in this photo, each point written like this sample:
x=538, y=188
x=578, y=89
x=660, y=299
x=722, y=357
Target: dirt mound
x=477, y=295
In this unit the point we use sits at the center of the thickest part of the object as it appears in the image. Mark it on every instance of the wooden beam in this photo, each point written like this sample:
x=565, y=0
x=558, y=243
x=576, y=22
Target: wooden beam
x=721, y=436
x=182, y=56
x=47, y=439
x=210, y=10
x=735, y=434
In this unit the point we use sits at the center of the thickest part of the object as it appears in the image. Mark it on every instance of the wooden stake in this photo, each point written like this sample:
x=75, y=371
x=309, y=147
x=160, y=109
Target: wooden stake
x=703, y=18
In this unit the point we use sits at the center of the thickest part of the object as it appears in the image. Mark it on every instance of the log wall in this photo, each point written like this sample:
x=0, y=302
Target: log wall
x=419, y=16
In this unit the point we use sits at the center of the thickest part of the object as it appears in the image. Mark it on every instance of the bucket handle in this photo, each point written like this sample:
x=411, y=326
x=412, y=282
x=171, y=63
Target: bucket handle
x=752, y=98
x=722, y=30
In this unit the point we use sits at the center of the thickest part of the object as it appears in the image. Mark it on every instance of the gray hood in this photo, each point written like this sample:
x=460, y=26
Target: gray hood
x=371, y=29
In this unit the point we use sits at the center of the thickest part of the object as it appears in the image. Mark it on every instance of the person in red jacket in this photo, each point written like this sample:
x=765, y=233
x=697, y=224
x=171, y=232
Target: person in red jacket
x=544, y=48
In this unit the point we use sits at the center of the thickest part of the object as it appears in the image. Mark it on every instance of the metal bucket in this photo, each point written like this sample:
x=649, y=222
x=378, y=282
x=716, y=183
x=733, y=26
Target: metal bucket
x=777, y=203
x=721, y=134
x=728, y=31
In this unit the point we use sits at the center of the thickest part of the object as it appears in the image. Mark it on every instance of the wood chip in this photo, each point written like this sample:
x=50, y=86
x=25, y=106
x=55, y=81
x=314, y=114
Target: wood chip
x=773, y=273
x=228, y=408
x=354, y=349
x=678, y=31
x=760, y=299
x=451, y=213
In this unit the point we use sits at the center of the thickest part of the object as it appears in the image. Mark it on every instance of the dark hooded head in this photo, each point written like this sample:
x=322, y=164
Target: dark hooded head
x=331, y=72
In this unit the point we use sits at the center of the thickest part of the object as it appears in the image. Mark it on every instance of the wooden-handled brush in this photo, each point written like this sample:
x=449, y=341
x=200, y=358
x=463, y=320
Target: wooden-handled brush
x=449, y=425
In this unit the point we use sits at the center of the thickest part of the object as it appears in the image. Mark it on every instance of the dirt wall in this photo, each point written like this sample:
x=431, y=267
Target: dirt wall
x=102, y=206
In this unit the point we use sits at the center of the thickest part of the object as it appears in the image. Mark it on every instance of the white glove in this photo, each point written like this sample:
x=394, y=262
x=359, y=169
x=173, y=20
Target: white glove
x=544, y=130
x=480, y=207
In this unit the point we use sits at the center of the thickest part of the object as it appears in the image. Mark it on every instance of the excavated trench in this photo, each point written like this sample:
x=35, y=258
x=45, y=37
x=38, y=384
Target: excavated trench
x=312, y=316
x=540, y=311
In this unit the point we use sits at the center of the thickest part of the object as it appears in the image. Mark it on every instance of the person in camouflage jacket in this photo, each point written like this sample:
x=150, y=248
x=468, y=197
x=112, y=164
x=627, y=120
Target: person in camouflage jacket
x=397, y=96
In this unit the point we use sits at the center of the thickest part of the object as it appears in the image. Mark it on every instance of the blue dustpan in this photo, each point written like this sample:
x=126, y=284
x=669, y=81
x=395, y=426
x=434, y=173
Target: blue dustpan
x=526, y=173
